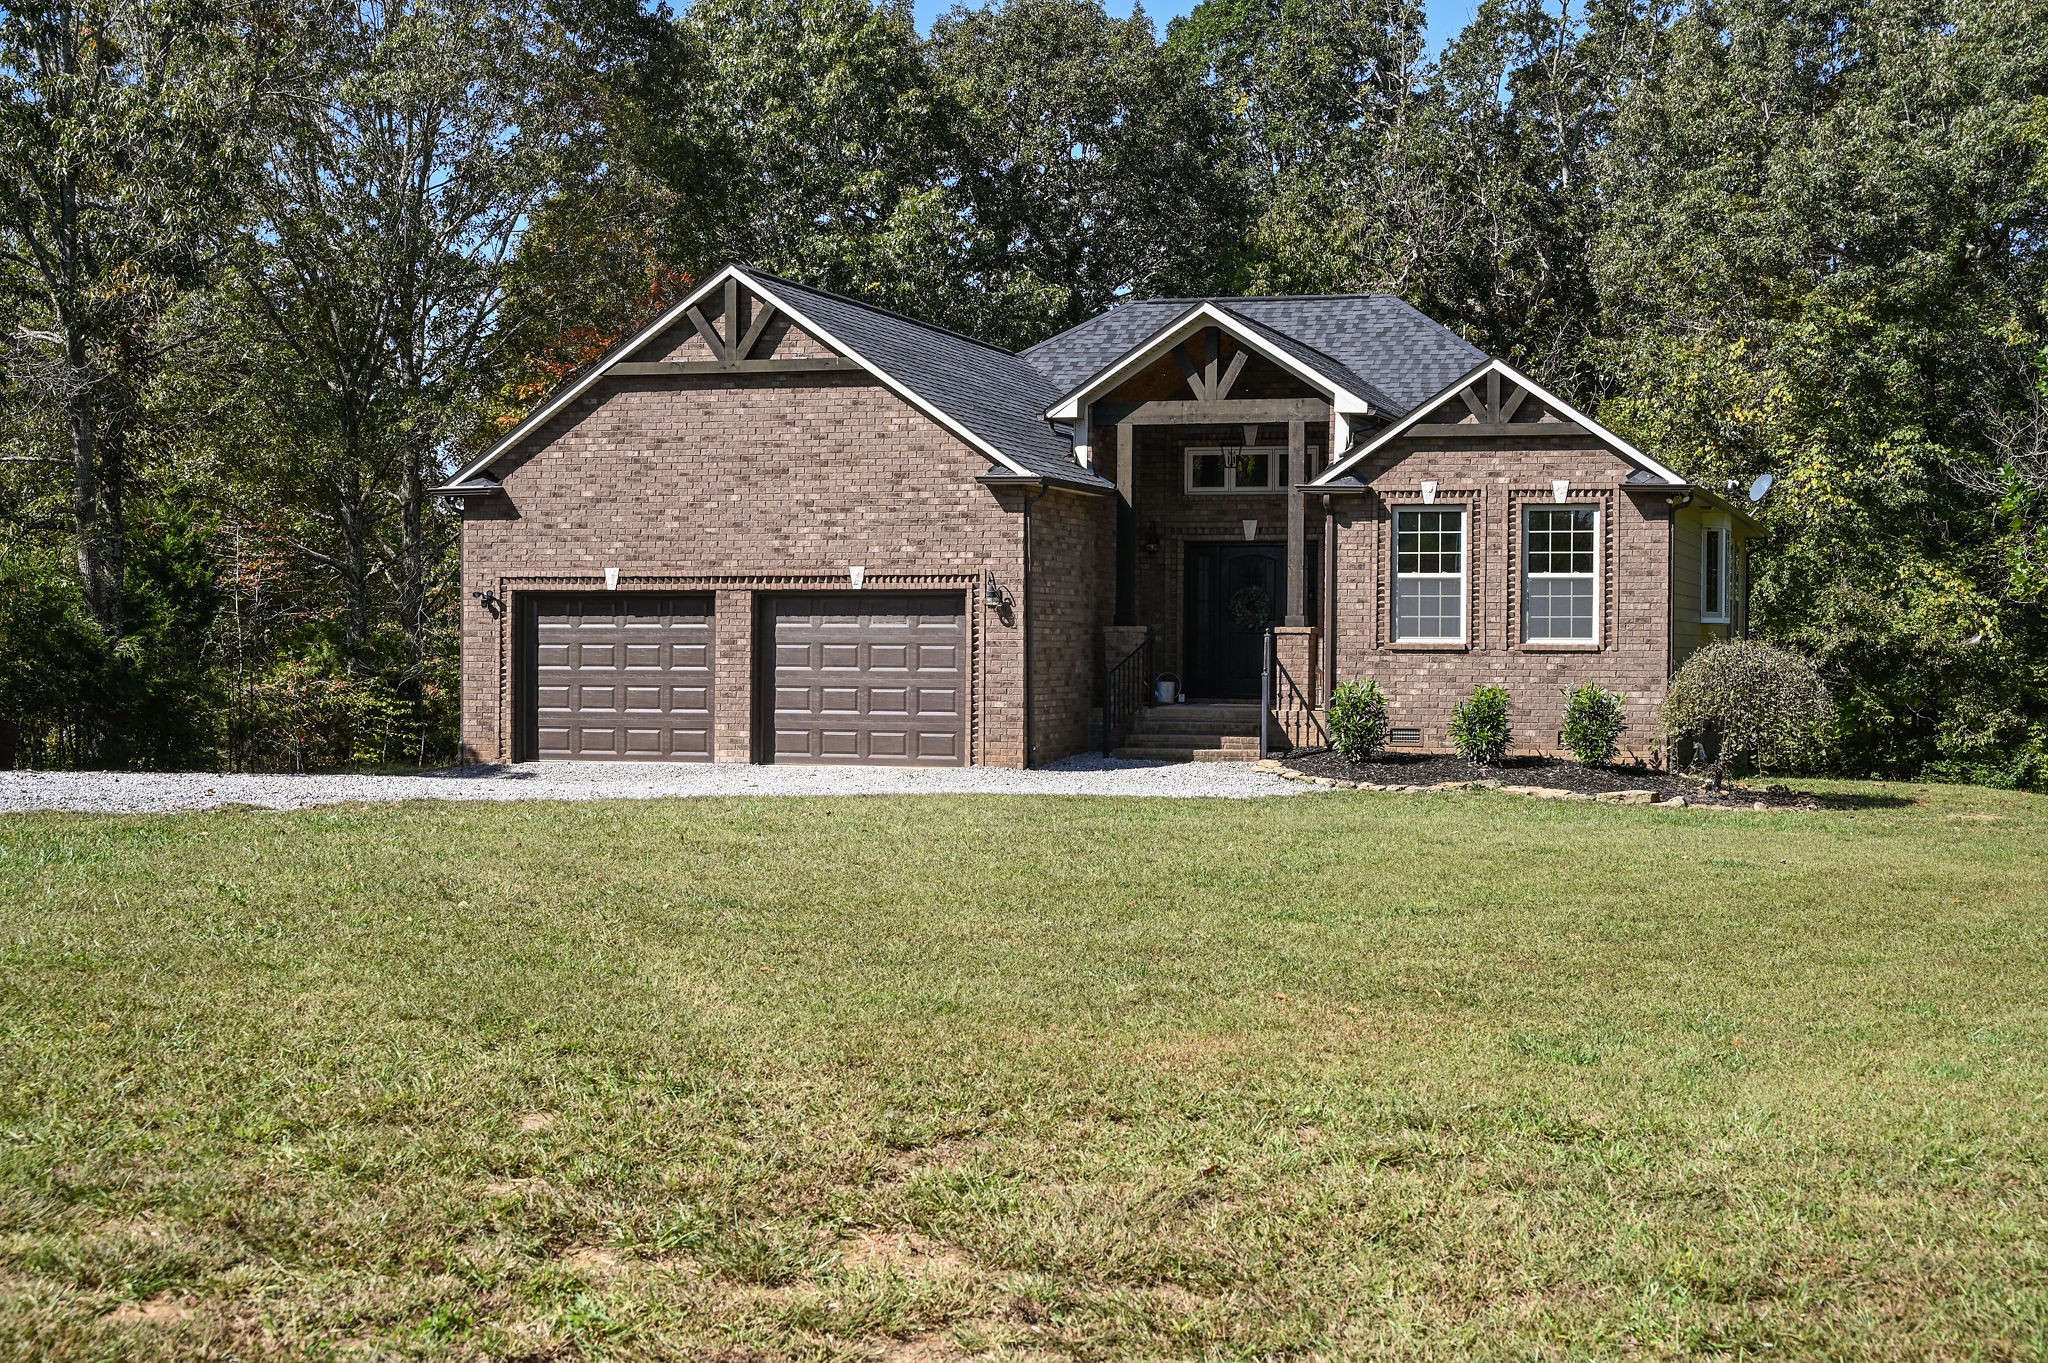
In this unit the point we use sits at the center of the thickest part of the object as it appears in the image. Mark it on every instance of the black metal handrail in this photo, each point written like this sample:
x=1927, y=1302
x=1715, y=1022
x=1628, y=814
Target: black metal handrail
x=1125, y=690
x=1288, y=696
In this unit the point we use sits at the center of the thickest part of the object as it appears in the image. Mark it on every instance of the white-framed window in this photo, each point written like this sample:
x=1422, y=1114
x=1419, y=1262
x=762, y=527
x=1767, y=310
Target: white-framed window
x=1429, y=575
x=1236, y=468
x=1714, y=573
x=1560, y=575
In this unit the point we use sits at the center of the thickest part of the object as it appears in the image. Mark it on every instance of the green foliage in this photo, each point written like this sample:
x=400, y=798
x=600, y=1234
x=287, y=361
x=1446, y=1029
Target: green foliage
x=1481, y=726
x=1358, y=720
x=1593, y=722
x=1747, y=705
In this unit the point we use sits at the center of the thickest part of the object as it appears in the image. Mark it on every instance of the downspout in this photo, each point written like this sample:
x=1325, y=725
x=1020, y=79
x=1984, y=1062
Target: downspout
x=1024, y=634
x=1329, y=599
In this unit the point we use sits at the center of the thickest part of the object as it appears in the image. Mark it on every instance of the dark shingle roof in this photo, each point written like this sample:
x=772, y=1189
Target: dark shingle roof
x=1382, y=348
x=998, y=396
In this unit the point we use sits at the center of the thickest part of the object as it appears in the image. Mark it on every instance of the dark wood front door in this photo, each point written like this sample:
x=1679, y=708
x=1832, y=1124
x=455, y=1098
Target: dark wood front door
x=1234, y=593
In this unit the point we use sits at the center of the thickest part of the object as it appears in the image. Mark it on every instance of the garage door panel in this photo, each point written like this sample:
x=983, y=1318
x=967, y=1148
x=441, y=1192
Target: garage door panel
x=933, y=702
x=868, y=677
x=622, y=678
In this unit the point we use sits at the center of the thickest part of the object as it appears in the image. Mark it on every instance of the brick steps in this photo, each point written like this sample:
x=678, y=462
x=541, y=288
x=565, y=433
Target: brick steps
x=1193, y=733
x=1157, y=754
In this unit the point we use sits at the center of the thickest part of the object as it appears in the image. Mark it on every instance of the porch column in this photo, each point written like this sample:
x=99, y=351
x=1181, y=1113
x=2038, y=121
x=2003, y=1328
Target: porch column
x=1297, y=516
x=1126, y=524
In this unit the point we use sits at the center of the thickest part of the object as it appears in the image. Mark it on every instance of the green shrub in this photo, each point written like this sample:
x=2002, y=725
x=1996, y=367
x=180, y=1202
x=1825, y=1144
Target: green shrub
x=1481, y=728
x=1745, y=704
x=1358, y=720
x=1593, y=723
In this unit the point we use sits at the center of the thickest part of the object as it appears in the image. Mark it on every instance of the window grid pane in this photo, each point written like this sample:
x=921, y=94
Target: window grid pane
x=1560, y=600
x=1712, y=577
x=1429, y=575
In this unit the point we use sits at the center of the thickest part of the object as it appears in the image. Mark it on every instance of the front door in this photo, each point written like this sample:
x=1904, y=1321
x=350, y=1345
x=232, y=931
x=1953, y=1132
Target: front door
x=1234, y=593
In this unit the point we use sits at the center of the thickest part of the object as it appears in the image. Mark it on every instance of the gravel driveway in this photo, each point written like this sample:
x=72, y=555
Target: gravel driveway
x=152, y=792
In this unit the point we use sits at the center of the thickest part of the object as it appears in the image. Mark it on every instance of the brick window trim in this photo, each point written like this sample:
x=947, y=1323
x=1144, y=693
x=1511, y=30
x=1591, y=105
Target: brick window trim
x=511, y=588
x=1601, y=499
x=1470, y=500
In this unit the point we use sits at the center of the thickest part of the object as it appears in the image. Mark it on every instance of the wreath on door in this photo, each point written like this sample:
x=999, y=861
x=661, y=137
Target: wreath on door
x=1251, y=608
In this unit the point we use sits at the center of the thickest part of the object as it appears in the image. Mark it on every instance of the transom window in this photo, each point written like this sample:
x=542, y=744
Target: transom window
x=1237, y=468
x=1429, y=576
x=1560, y=575
x=1714, y=574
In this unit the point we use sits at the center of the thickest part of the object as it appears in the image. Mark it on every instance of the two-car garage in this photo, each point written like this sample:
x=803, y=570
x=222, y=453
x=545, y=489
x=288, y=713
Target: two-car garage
x=851, y=677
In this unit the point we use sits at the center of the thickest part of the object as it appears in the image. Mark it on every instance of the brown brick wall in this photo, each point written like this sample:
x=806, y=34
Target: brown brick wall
x=743, y=486
x=1423, y=682
x=1073, y=544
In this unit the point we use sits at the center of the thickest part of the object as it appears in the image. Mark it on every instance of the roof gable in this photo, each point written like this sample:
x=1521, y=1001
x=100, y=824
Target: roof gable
x=1495, y=399
x=1386, y=346
x=986, y=396
x=1321, y=372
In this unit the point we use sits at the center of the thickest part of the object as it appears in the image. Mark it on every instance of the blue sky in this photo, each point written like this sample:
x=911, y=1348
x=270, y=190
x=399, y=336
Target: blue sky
x=1446, y=17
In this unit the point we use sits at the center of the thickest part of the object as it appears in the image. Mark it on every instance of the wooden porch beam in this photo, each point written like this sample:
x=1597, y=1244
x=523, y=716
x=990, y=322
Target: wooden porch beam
x=1297, y=516
x=655, y=369
x=708, y=332
x=1220, y=413
x=1126, y=523
x=1464, y=429
x=1189, y=372
x=764, y=313
x=1229, y=379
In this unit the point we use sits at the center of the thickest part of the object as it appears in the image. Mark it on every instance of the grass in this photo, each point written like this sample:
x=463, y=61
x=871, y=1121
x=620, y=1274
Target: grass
x=1344, y=1075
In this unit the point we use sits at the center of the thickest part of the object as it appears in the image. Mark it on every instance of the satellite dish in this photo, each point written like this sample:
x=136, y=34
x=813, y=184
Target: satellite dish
x=1761, y=486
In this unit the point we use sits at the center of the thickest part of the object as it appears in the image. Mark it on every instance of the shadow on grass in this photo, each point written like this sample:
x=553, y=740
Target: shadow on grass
x=1860, y=800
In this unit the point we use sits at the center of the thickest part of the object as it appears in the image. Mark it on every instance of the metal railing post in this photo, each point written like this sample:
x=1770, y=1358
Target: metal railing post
x=1266, y=698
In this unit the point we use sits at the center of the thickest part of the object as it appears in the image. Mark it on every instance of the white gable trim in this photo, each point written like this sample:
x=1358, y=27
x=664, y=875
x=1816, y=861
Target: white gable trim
x=1509, y=372
x=1191, y=323
x=668, y=319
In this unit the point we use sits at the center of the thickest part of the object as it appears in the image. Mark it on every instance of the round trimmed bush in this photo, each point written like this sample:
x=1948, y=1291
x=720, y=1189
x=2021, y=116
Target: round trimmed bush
x=1746, y=704
x=1592, y=724
x=1358, y=720
x=1481, y=727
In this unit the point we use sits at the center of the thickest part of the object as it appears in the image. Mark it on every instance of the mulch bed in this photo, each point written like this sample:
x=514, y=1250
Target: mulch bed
x=1428, y=769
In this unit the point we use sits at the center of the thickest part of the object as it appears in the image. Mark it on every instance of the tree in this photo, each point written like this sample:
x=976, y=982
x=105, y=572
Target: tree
x=125, y=127
x=1091, y=165
x=389, y=212
x=1821, y=255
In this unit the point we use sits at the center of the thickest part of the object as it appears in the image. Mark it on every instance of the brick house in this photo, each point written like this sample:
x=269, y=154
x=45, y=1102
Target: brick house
x=780, y=525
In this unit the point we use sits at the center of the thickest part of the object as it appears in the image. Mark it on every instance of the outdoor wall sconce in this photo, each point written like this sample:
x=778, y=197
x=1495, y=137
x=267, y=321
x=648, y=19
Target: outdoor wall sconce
x=1152, y=538
x=997, y=598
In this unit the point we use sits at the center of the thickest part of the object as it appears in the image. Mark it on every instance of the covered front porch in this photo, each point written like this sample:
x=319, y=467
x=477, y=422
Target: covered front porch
x=1222, y=559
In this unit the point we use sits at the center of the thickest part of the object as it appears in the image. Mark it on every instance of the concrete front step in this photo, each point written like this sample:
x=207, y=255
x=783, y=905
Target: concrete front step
x=1150, y=753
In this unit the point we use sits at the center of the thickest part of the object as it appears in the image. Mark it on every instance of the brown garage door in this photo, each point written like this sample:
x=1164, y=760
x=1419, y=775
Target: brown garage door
x=619, y=677
x=875, y=678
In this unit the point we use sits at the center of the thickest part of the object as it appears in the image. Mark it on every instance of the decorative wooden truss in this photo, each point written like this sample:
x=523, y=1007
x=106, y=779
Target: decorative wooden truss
x=733, y=347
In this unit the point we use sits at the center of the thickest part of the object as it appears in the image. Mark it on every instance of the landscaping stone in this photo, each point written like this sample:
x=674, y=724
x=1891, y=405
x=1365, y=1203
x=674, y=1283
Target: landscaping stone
x=1529, y=776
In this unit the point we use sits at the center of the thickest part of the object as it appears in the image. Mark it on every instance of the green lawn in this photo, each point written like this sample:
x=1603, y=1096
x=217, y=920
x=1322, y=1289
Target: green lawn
x=1339, y=1076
